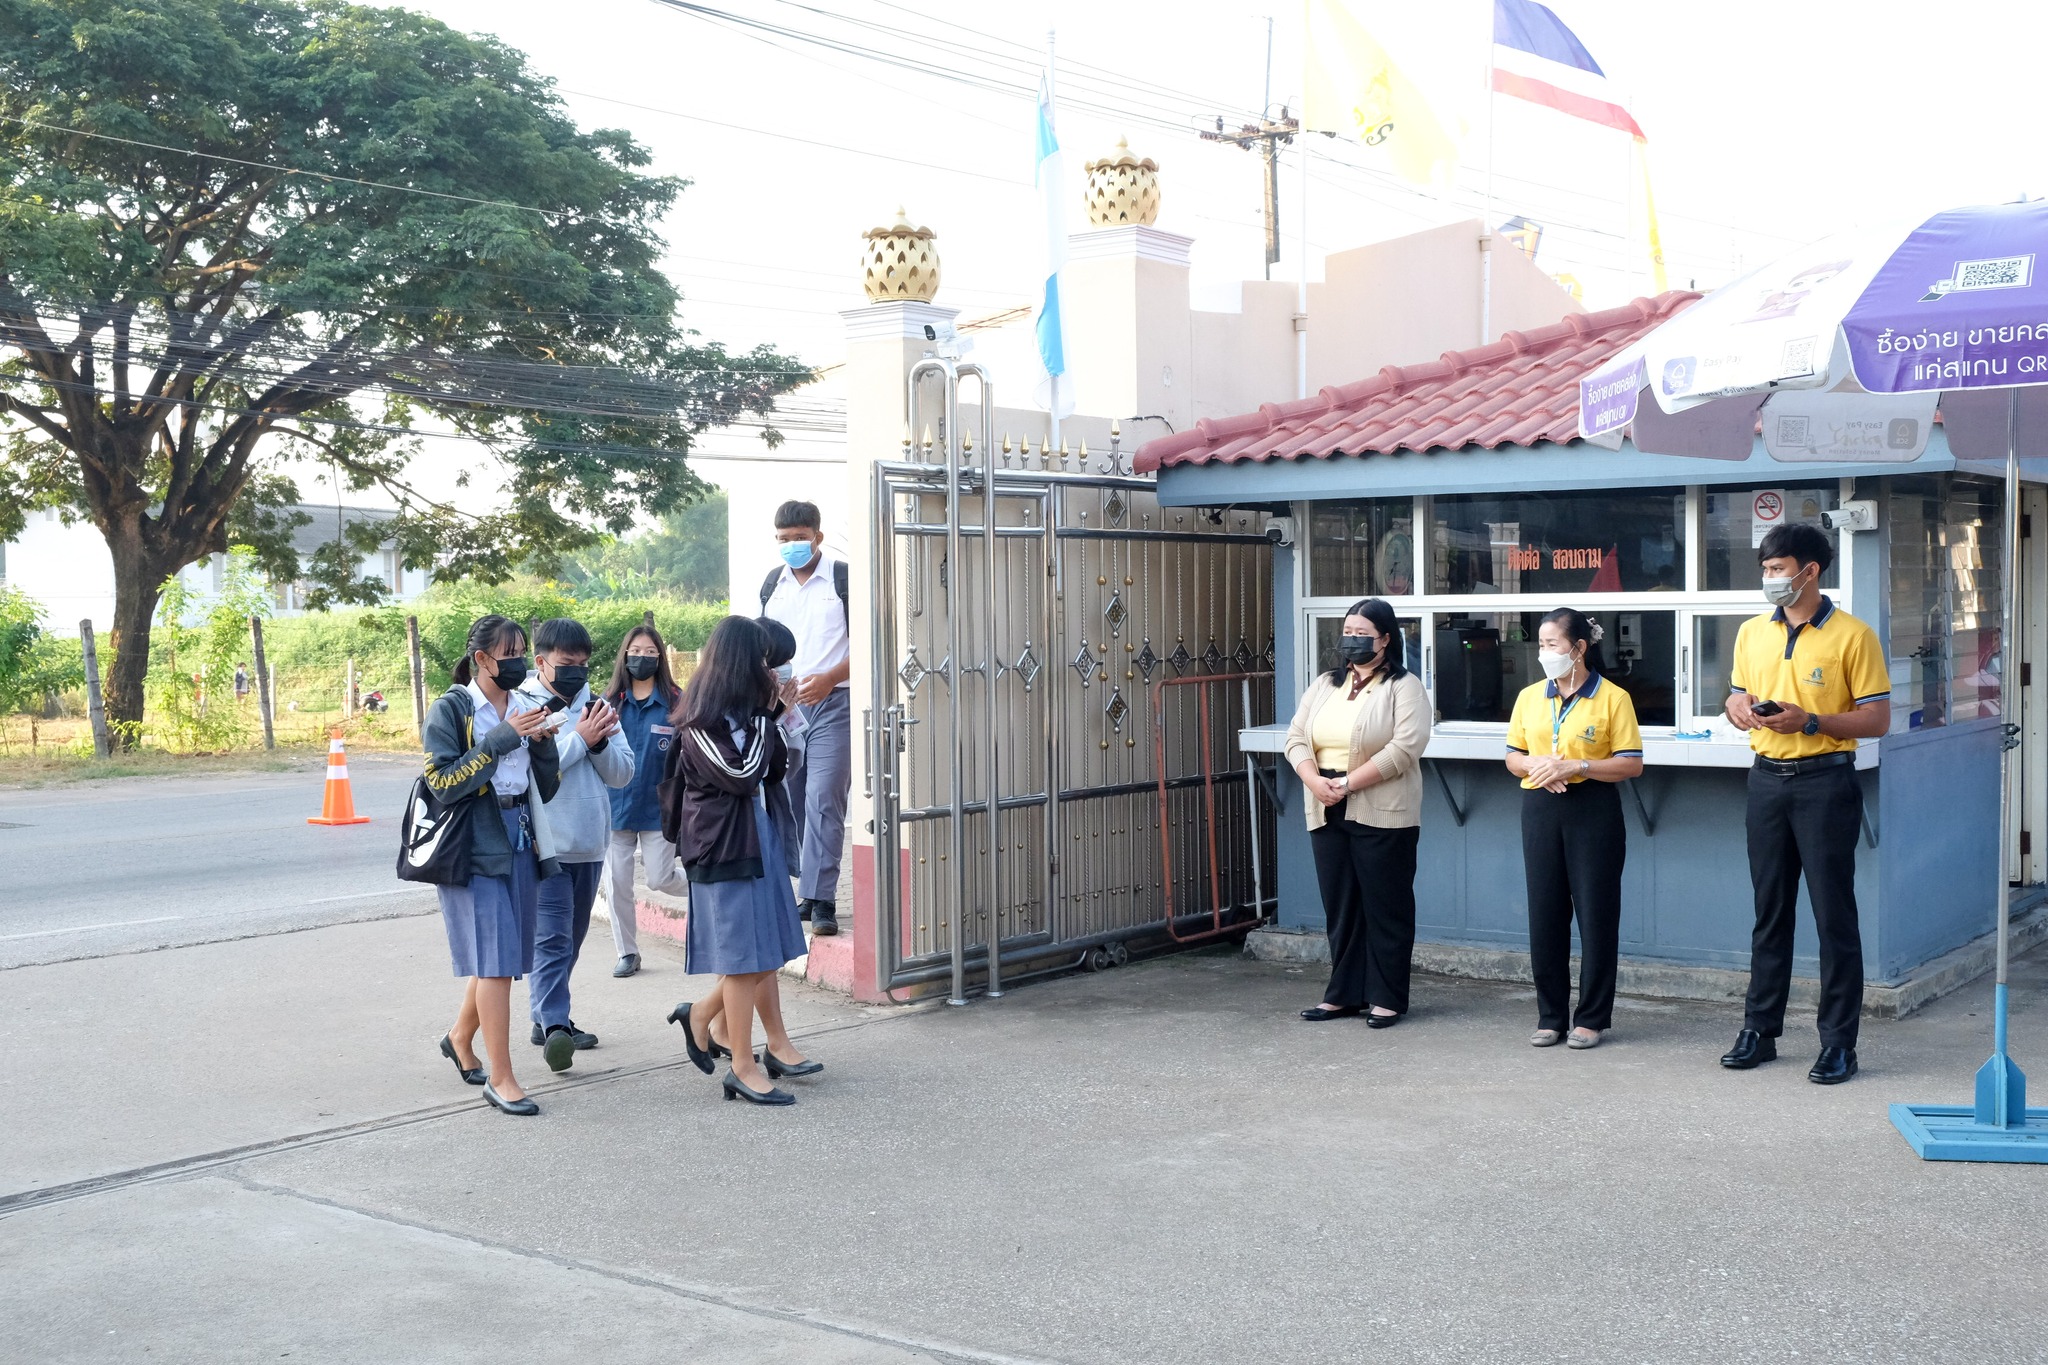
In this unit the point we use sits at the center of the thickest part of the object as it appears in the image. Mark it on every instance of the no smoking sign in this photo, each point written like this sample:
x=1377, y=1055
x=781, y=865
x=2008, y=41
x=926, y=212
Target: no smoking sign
x=1766, y=512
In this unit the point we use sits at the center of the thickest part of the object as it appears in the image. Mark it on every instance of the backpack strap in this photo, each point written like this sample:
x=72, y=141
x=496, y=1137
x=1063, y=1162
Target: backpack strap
x=839, y=586
x=768, y=587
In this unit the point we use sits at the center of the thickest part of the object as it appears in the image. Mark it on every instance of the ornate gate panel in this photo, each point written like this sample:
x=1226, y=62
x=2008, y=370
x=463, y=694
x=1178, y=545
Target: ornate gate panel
x=1045, y=641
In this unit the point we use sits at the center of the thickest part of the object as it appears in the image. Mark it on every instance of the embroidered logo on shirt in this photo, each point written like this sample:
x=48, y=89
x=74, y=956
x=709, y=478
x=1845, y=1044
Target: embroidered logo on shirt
x=1814, y=678
x=1590, y=735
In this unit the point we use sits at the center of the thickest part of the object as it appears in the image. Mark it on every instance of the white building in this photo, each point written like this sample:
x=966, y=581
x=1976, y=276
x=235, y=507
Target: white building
x=66, y=567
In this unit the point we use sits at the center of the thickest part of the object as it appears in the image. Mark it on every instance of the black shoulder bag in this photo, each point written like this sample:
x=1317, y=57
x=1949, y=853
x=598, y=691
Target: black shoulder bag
x=434, y=835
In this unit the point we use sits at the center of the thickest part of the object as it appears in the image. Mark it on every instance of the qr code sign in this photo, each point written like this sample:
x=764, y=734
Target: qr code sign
x=1797, y=357
x=2005, y=272
x=1795, y=431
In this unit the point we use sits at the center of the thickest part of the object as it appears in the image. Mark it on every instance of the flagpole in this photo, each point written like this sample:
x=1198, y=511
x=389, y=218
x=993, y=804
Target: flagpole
x=1486, y=220
x=1301, y=283
x=1052, y=388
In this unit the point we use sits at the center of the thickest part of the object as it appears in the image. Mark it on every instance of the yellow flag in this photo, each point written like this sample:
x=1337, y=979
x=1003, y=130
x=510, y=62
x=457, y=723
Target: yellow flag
x=1354, y=87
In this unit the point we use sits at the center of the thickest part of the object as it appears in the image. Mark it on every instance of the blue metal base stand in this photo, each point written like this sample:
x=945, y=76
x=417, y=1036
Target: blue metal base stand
x=1998, y=1127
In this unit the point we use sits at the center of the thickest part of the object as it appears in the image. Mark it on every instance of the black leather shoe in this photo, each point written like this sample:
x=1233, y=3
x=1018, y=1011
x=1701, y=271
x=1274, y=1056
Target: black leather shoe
x=523, y=1108
x=540, y=1036
x=628, y=965
x=584, y=1039
x=698, y=1056
x=803, y=910
x=1381, y=1020
x=1751, y=1049
x=472, y=1074
x=735, y=1089
x=559, y=1049
x=1316, y=1014
x=777, y=1068
x=824, y=919
x=1836, y=1064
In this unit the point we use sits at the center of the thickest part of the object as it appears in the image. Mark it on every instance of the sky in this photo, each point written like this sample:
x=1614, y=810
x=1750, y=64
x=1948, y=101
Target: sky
x=1770, y=123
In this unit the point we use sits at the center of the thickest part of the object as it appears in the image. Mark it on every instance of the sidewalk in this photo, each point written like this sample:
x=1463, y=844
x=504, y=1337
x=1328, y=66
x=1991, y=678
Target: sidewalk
x=1157, y=1163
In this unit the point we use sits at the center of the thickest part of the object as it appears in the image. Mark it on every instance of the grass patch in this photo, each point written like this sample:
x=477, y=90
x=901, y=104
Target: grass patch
x=51, y=768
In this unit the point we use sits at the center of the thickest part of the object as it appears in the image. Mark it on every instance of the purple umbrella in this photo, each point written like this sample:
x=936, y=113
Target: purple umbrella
x=1844, y=351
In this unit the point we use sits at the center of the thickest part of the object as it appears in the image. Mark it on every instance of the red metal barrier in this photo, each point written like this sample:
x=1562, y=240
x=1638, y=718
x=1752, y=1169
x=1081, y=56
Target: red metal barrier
x=1217, y=927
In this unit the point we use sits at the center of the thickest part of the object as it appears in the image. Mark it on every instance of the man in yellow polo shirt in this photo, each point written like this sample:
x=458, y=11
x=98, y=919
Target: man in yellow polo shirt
x=1809, y=681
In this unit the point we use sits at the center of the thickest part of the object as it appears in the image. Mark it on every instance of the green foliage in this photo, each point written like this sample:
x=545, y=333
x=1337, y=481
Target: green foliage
x=192, y=668
x=34, y=665
x=362, y=215
x=375, y=637
x=685, y=555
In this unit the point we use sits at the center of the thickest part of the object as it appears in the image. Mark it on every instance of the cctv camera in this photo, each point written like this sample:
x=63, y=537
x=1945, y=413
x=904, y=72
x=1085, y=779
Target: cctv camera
x=931, y=333
x=1280, y=530
x=1851, y=516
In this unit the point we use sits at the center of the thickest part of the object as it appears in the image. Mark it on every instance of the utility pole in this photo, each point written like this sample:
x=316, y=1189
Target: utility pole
x=1266, y=136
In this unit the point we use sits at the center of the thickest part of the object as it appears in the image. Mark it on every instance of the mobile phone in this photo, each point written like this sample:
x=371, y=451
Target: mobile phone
x=1765, y=708
x=555, y=703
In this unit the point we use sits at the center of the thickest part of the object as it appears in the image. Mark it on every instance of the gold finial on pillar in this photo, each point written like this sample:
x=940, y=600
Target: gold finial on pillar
x=1123, y=189
x=901, y=262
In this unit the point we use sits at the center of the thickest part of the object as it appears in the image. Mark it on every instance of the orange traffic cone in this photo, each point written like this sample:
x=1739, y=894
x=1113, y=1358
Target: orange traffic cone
x=338, y=807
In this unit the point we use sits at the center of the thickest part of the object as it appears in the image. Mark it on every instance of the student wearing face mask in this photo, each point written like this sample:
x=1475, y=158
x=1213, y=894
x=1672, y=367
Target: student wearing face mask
x=1571, y=738
x=594, y=760
x=483, y=747
x=1356, y=744
x=1809, y=681
x=808, y=593
x=642, y=691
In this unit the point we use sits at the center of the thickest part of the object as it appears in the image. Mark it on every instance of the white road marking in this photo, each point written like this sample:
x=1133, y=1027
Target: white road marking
x=367, y=895
x=88, y=928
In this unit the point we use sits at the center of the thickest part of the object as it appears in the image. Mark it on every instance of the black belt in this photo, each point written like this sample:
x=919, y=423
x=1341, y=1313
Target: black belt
x=512, y=802
x=1331, y=772
x=1792, y=767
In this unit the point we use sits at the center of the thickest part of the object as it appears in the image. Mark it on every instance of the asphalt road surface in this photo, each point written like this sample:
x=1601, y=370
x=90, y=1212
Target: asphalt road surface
x=125, y=865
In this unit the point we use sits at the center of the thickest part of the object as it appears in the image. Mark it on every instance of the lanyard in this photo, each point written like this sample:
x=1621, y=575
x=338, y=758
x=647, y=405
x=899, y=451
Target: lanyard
x=1557, y=715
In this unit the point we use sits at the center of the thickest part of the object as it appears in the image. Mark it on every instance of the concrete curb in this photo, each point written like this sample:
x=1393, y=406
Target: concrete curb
x=1669, y=981
x=828, y=964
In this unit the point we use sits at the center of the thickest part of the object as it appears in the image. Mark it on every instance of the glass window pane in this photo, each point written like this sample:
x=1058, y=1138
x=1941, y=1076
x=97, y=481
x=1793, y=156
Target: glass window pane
x=1713, y=651
x=1730, y=533
x=1328, y=628
x=1364, y=548
x=1558, y=543
x=1484, y=659
x=1944, y=553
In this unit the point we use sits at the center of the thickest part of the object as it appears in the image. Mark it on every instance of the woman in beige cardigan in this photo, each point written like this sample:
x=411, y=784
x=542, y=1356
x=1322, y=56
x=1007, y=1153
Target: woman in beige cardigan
x=1357, y=739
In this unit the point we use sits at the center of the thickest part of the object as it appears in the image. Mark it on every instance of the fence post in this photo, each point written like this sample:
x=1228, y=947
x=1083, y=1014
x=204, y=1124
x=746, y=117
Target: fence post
x=262, y=683
x=348, y=689
x=95, y=705
x=419, y=676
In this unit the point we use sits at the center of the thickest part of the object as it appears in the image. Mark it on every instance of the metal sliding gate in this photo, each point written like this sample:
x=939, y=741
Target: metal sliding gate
x=1054, y=670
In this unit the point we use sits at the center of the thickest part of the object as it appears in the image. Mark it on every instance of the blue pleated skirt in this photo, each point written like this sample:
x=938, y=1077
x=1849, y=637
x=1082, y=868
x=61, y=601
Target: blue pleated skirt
x=490, y=921
x=745, y=926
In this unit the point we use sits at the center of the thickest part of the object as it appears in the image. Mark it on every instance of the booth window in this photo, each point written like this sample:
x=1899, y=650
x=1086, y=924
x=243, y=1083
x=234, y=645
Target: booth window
x=1363, y=548
x=1733, y=522
x=1483, y=660
x=1944, y=560
x=1556, y=544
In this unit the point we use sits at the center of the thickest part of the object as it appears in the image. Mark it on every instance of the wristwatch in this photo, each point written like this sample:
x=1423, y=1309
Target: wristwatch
x=1342, y=780
x=1585, y=767
x=1812, y=726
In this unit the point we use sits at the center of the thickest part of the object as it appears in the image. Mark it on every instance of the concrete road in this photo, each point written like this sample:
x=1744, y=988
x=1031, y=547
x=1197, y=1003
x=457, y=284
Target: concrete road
x=247, y=1150
x=137, y=863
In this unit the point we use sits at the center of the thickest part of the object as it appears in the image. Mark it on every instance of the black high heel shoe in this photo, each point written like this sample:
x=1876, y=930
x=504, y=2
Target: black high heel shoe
x=523, y=1108
x=777, y=1068
x=735, y=1088
x=473, y=1074
x=681, y=1015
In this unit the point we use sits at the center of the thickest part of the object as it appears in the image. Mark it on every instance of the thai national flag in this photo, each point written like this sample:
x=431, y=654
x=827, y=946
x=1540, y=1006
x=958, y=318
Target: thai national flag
x=1536, y=58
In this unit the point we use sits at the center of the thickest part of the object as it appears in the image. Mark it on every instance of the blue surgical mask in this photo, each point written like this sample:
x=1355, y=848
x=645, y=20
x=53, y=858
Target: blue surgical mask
x=796, y=553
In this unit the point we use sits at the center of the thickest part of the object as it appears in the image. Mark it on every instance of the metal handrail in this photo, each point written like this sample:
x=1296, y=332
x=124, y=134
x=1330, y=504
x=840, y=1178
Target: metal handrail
x=1217, y=926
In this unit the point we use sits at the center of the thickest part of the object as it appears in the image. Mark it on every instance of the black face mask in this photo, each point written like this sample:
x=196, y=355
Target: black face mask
x=641, y=666
x=569, y=681
x=1357, y=649
x=509, y=673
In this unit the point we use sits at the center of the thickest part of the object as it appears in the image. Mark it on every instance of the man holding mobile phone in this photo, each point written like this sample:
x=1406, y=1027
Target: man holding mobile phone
x=1809, y=681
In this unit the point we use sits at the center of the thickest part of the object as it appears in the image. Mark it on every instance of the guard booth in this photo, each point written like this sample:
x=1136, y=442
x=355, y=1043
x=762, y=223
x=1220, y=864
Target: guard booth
x=1458, y=490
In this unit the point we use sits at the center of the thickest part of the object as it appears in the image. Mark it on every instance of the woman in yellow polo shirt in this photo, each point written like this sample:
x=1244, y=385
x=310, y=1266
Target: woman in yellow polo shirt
x=1571, y=739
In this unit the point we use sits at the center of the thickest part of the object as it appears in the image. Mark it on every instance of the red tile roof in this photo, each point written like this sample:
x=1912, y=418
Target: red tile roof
x=1520, y=390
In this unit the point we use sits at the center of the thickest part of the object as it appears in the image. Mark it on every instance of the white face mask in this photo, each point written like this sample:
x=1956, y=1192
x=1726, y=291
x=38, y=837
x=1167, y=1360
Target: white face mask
x=1781, y=592
x=1555, y=665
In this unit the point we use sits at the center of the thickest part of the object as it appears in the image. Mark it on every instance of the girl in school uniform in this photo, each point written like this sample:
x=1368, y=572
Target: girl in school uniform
x=1571, y=738
x=643, y=692
x=484, y=747
x=726, y=774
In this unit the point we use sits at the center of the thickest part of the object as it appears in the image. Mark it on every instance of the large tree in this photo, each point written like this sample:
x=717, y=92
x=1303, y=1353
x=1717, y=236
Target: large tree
x=241, y=236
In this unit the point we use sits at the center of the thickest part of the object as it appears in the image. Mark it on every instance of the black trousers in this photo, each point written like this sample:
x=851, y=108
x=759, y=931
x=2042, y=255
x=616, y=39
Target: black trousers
x=1807, y=823
x=1368, y=881
x=1573, y=849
